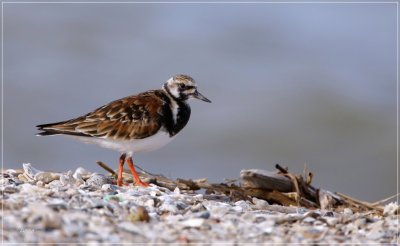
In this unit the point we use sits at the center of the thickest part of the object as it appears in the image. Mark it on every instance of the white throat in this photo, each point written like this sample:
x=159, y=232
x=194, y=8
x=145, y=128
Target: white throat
x=174, y=105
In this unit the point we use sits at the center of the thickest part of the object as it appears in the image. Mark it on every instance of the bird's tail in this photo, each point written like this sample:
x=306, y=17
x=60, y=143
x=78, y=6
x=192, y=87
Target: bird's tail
x=49, y=129
x=63, y=127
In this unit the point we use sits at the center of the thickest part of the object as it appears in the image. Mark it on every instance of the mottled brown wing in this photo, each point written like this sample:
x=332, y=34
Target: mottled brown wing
x=133, y=117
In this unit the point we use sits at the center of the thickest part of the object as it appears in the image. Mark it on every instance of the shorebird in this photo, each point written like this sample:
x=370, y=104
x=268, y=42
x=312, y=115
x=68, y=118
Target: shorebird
x=133, y=124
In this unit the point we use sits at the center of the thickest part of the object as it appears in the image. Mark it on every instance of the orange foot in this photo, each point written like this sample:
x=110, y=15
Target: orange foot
x=141, y=183
x=121, y=183
x=136, y=177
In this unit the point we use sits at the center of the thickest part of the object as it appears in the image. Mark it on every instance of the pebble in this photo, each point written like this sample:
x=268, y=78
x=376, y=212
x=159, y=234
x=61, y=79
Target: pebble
x=109, y=198
x=203, y=215
x=39, y=209
x=108, y=187
x=217, y=209
x=140, y=214
x=9, y=189
x=169, y=206
x=260, y=204
x=347, y=211
x=309, y=220
x=375, y=235
x=130, y=227
x=360, y=222
x=98, y=180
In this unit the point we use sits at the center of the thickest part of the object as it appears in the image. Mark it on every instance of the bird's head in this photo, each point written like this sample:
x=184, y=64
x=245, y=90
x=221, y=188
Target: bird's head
x=183, y=87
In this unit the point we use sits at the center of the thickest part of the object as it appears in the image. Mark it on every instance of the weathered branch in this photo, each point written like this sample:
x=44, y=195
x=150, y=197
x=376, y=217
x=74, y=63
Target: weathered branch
x=282, y=188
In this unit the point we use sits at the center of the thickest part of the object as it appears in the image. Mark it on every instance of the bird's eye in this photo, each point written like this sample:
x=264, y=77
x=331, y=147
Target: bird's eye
x=181, y=86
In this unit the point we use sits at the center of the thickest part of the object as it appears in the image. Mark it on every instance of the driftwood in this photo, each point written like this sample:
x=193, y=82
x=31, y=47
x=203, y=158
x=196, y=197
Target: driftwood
x=283, y=188
x=257, y=178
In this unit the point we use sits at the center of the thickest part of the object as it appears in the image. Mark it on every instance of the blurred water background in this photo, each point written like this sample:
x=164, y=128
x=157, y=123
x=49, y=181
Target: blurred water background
x=290, y=84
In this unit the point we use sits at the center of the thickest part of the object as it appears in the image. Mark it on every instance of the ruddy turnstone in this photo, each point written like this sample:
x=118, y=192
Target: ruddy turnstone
x=133, y=124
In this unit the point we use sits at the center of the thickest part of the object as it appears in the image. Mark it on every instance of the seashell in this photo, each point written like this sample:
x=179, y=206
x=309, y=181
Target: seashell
x=195, y=222
x=150, y=203
x=267, y=226
x=169, y=207
x=78, y=178
x=67, y=179
x=332, y=221
x=81, y=174
x=28, y=188
x=391, y=209
x=108, y=187
x=169, y=204
x=238, y=209
x=30, y=171
x=46, y=177
x=61, y=211
x=313, y=232
x=177, y=191
x=8, y=180
x=54, y=184
x=218, y=209
x=57, y=204
x=14, y=173
x=350, y=228
x=155, y=193
x=22, y=178
x=198, y=208
x=198, y=197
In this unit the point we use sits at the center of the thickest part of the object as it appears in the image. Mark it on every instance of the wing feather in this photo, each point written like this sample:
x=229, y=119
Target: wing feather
x=133, y=117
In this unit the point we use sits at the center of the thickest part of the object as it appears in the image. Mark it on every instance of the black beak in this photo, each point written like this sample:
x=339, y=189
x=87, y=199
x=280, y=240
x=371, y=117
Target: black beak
x=198, y=95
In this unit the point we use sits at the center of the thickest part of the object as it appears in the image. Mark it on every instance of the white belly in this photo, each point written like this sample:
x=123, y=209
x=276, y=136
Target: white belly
x=154, y=142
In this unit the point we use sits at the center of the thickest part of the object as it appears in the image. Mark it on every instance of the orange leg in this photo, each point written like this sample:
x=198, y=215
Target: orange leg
x=120, y=169
x=134, y=173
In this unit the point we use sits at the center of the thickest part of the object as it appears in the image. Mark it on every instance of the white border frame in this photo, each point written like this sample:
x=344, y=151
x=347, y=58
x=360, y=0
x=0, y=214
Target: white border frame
x=205, y=2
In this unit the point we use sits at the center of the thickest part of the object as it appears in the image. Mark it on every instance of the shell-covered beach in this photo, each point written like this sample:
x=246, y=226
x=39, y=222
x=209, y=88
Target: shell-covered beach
x=83, y=207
